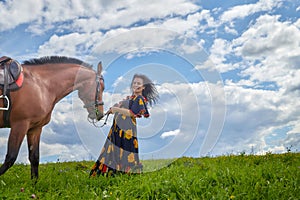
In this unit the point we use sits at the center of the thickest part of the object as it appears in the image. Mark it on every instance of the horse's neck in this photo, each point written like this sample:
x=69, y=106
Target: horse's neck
x=60, y=79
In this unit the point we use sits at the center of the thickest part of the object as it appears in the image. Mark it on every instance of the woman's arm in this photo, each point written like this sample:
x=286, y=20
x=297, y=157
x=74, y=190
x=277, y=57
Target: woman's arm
x=123, y=111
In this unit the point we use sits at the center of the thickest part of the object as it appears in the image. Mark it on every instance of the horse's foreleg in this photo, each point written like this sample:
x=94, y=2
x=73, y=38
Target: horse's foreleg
x=16, y=136
x=33, y=141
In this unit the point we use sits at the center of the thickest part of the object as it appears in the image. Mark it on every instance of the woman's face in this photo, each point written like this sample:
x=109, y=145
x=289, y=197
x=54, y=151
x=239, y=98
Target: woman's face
x=137, y=85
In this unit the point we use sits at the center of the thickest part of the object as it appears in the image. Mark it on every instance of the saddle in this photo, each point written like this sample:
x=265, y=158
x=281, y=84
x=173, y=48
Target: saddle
x=11, y=76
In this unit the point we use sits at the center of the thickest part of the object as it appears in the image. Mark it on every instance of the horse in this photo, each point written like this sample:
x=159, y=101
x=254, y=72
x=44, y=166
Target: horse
x=46, y=81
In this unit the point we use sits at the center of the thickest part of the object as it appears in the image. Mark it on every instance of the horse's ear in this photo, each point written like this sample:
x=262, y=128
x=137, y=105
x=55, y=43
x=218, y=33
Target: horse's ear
x=99, y=70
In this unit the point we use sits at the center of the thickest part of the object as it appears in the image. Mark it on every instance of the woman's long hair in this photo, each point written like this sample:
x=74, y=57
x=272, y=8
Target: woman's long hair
x=150, y=91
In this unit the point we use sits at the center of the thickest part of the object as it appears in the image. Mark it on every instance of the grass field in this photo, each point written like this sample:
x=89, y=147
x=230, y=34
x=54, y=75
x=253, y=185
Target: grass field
x=272, y=176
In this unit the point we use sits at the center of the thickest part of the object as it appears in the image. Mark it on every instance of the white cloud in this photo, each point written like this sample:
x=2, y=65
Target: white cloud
x=272, y=50
x=136, y=39
x=14, y=13
x=218, y=51
x=89, y=15
x=253, y=116
x=189, y=26
x=73, y=44
x=118, y=41
x=87, y=20
x=230, y=30
x=295, y=130
x=242, y=11
x=170, y=133
x=268, y=36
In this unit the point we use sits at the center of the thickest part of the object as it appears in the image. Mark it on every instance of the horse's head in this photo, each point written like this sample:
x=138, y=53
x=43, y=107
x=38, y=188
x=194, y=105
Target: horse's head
x=91, y=95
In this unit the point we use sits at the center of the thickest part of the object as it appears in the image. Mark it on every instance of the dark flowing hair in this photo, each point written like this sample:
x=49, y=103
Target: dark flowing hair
x=150, y=92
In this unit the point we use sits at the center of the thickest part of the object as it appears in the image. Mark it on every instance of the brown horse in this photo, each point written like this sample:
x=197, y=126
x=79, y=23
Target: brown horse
x=46, y=81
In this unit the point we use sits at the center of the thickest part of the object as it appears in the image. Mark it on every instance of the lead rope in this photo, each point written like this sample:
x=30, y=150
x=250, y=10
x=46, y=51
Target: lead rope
x=107, y=115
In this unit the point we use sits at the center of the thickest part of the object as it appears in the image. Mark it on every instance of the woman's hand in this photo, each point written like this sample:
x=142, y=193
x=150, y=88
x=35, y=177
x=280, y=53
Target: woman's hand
x=113, y=110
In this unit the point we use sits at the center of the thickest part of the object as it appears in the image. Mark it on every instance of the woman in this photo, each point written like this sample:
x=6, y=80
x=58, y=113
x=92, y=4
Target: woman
x=120, y=151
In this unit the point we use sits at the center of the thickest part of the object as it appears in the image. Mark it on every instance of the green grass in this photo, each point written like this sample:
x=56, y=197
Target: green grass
x=272, y=176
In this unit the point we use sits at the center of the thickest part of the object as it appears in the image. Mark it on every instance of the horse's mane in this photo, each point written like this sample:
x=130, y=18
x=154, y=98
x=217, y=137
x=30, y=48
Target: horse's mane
x=55, y=59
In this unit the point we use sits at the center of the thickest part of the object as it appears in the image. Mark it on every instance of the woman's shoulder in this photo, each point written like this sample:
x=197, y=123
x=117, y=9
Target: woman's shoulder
x=139, y=97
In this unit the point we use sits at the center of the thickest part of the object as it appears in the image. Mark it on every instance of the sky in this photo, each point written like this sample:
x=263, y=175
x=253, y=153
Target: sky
x=226, y=72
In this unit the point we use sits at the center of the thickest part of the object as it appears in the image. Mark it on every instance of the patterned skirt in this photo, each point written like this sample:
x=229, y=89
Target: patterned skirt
x=119, y=154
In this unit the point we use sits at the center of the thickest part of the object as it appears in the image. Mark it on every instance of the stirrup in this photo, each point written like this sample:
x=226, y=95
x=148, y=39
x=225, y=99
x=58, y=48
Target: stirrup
x=7, y=100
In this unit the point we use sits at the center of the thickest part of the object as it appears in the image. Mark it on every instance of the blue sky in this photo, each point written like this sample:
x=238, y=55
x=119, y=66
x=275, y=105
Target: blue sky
x=227, y=71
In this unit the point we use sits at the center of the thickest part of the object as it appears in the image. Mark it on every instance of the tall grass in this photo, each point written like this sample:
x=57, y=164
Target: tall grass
x=272, y=176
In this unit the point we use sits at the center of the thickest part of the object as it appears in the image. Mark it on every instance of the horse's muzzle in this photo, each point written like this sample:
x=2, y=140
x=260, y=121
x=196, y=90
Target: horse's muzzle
x=95, y=116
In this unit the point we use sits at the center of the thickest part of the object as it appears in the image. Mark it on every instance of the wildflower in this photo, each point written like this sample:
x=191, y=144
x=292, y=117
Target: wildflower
x=105, y=195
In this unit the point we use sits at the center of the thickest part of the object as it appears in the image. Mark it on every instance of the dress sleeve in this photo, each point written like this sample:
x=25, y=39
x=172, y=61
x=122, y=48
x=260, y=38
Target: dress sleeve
x=138, y=107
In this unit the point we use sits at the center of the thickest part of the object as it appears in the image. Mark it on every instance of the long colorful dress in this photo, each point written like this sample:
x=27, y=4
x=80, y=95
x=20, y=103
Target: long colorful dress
x=120, y=151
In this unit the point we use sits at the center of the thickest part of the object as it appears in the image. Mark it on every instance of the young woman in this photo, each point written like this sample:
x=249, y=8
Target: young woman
x=120, y=151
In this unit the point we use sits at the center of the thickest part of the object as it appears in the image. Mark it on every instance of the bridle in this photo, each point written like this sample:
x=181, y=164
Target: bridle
x=96, y=103
x=98, y=79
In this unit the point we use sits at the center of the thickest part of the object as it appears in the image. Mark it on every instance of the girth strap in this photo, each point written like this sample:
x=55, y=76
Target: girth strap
x=6, y=113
